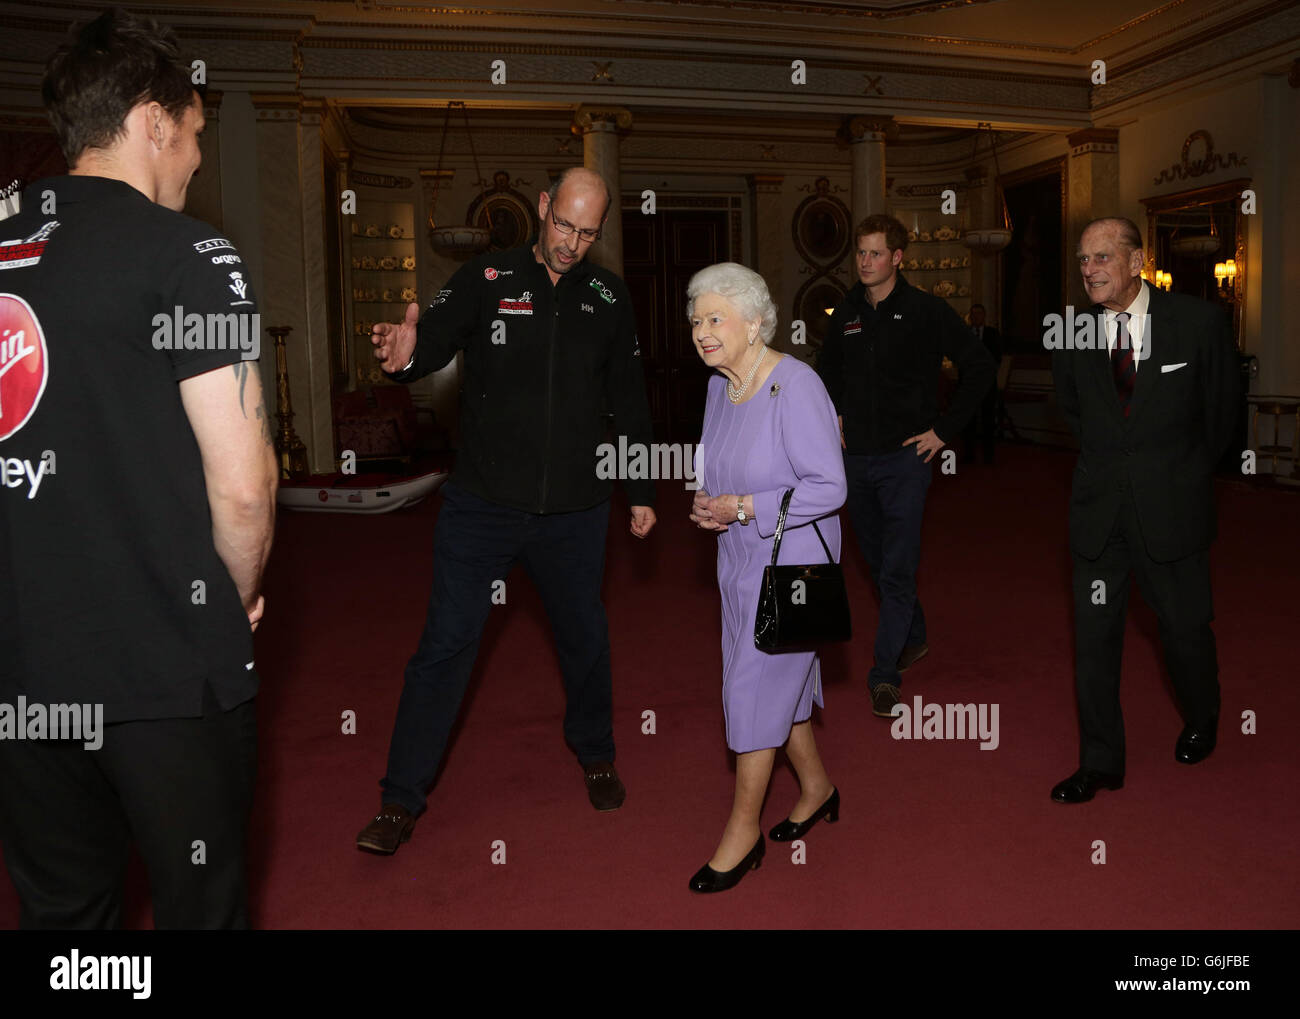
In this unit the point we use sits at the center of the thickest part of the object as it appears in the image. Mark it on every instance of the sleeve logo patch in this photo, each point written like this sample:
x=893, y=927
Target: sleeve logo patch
x=851, y=328
x=213, y=244
x=606, y=294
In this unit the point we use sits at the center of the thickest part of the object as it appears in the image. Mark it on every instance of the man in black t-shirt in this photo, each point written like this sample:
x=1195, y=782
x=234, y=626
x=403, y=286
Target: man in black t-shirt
x=137, y=487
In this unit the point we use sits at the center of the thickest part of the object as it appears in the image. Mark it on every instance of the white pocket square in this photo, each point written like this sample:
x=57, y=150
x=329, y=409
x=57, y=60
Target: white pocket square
x=1172, y=367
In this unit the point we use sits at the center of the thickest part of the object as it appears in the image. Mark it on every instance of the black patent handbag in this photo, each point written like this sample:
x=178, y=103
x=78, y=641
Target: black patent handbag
x=800, y=607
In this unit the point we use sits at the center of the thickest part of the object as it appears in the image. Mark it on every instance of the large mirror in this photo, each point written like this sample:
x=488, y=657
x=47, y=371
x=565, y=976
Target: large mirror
x=1196, y=246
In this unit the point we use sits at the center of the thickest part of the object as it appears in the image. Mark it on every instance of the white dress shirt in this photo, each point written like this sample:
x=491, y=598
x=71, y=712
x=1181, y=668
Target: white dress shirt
x=1137, y=321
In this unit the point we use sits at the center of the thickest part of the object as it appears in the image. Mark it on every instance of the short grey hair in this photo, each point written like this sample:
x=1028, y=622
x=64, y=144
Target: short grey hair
x=742, y=287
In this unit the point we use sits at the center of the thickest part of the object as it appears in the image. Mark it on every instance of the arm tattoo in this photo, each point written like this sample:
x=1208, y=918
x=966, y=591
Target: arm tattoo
x=241, y=373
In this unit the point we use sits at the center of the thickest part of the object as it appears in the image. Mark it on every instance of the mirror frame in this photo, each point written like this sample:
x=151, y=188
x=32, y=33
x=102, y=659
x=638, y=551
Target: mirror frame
x=1229, y=191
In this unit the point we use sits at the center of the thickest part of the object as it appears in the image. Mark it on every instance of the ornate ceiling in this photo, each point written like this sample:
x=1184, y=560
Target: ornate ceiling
x=945, y=64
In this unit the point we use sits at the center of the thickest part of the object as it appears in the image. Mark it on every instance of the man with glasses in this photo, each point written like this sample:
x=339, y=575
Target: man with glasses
x=550, y=347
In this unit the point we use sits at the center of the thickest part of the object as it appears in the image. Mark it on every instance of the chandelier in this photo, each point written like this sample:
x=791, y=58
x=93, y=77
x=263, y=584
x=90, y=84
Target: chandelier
x=992, y=239
x=464, y=240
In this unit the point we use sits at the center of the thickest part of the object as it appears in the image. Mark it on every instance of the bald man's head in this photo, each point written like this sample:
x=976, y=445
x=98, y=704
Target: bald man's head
x=579, y=177
x=571, y=211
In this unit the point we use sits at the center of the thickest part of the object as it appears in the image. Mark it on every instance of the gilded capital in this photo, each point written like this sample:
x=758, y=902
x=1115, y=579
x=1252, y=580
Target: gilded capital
x=616, y=119
x=867, y=129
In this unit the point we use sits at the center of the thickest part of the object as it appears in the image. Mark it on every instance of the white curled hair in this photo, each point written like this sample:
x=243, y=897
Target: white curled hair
x=742, y=287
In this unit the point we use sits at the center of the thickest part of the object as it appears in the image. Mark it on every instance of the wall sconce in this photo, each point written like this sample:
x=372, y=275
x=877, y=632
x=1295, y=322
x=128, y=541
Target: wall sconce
x=1225, y=274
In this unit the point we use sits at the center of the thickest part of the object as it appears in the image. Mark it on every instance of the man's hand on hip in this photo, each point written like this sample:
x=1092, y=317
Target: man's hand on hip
x=927, y=444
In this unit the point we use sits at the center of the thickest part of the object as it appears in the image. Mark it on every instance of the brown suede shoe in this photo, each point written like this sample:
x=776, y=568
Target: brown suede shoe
x=912, y=655
x=391, y=827
x=883, y=699
x=604, y=789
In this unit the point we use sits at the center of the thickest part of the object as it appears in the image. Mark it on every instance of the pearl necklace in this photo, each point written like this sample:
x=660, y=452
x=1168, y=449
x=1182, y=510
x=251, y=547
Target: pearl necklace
x=736, y=395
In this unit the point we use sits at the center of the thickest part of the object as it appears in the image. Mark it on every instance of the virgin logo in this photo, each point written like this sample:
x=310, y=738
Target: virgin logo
x=489, y=273
x=24, y=363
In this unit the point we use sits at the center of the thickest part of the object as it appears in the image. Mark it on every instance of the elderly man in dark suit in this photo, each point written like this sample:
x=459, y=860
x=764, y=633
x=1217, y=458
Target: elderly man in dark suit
x=1151, y=401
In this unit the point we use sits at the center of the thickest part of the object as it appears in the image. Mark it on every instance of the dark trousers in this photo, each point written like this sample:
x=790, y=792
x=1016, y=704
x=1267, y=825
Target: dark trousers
x=475, y=545
x=1179, y=594
x=68, y=816
x=886, y=501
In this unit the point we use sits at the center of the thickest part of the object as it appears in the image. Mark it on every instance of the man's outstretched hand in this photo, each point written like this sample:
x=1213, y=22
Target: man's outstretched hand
x=395, y=341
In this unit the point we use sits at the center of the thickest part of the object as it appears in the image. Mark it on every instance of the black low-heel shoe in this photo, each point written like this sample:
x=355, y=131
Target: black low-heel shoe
x=707, y=879
x=788, y=831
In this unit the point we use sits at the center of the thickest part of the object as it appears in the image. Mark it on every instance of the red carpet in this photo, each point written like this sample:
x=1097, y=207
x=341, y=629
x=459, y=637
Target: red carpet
x=933, y=834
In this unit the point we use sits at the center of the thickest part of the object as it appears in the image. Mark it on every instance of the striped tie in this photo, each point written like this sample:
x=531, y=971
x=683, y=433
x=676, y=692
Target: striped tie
x=1122, y=365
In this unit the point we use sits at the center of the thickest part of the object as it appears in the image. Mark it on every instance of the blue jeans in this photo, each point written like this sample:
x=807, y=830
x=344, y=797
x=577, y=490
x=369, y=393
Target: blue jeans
x=886, y=501
x=476, y=543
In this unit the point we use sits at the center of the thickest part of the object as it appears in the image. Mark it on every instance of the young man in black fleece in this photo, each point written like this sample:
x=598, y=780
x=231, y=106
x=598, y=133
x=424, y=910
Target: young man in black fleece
x=550, y=344
x=880, y=363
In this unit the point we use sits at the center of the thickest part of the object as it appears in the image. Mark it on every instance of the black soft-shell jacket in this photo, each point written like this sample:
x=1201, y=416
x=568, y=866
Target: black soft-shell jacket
x=543, y=364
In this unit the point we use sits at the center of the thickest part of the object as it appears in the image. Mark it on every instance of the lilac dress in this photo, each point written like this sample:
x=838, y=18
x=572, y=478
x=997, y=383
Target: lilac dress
x=784, y=436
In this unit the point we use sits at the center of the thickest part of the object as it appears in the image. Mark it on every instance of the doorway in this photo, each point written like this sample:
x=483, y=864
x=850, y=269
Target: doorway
x=660, y=254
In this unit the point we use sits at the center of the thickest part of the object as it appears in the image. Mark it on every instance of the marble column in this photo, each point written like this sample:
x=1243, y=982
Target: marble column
x=600, y=128
x=866, y=136
x=767, y=203
x=983, y=210
x=293, y=261
x=1093, y=174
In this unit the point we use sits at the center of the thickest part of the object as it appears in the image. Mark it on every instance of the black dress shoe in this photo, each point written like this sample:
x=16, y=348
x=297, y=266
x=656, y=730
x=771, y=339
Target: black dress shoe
x=1083, y=785
x=788, y=831
x=1196, y=744
x=706, y=879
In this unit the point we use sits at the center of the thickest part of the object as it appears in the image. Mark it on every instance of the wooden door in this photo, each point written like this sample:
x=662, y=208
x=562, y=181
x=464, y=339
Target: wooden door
x=660, y=254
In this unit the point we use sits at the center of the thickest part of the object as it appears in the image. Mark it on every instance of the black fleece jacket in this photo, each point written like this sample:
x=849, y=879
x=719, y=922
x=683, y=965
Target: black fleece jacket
x=542, y=365
x=881, y=368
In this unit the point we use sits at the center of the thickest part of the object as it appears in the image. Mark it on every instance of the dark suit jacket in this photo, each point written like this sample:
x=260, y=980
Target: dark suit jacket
x=1180, y=422
x=992, y=340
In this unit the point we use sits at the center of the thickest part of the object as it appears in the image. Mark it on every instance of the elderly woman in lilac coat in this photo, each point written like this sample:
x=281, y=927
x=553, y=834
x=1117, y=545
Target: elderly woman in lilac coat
x=769, y=426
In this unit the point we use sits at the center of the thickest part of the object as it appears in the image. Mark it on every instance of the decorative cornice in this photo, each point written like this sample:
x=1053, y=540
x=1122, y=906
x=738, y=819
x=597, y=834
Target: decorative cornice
x=1093, y=139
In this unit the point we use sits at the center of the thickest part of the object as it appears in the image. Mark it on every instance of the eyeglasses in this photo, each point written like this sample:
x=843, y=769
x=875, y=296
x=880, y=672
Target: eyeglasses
x=568, y=229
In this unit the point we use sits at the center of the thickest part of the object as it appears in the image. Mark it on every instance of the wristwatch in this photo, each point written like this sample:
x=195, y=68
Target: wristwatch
x=741, y=515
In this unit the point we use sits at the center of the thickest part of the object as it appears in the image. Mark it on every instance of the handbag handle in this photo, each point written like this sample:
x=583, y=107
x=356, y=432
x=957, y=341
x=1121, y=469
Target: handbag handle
x=780, y=528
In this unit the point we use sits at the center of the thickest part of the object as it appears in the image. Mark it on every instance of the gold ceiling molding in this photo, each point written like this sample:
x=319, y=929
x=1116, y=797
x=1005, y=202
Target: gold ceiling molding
x=826, y=9
x=1212, y=34
x=888, y=40
x=505, y=49
x=1142, y=19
